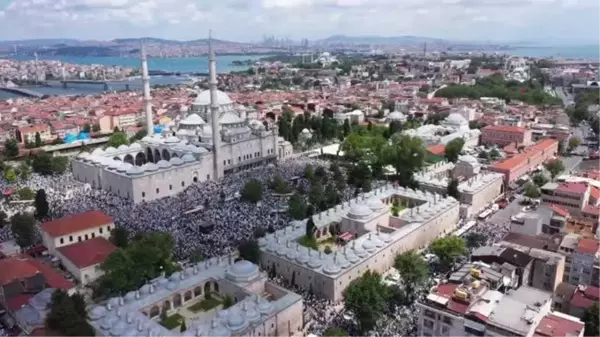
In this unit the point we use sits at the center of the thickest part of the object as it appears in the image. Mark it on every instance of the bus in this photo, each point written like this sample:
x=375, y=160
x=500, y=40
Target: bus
x=485, y=214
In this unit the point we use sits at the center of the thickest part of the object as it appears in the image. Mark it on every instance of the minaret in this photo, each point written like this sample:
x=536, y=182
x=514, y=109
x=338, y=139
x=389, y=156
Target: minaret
x=147, y=98
x=214, y=109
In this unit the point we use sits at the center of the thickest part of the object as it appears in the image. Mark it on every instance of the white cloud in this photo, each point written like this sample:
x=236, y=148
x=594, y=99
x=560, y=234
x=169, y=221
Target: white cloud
x=250, y=19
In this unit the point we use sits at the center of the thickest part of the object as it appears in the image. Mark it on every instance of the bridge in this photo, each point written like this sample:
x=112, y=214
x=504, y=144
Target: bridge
x=66, y=82
x=22, y=92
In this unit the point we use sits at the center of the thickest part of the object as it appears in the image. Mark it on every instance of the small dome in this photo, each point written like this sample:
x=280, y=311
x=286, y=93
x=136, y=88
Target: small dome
x=242, y=271
x=455, y=119
x=123, y=147
x=83, y=155
x=119, y=328
x=375, y=204
x=176, y=161
x=114, y=165
x=262, y=242
x=315, y=262
x=235, y=321
x=251, y=314
x=351, y=257
x=172, y=285
x=359, y=251
x=135, y=146
x=97, y=312
x=146, y=138
x=230, y=118
x=332, y=268
x=130, y=296
x=396, y=116
x=369, y=246
x=203, y=98
x=468, y=159
x=172, y=140
x=384, y=237
x=264, y=307
x=302, y=257
x=188, y=158
x=176, y=276
x=135, y=170
x=150, y=167
x=359, y=212
x=192, y=119
x=108, y=322
x=124, y=167
x=163, y=164
x=98, y=152
x=199, y=149
x=341, y=261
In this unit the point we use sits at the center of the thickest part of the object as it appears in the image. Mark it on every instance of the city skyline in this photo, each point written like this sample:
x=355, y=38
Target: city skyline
x=249, y=20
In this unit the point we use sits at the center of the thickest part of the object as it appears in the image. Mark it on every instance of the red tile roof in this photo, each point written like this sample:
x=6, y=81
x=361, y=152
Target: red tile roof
x=88, y=253
x=504, y=128
x=559, y=210
x=556, y=326
x=595, y=193
x=14, y=268
x=588, y=246
x=15, y=303
x=578, y=187
x=591, y=209
x=521, y=158
x=76, y=223
x=580, y=300
x=438, y=149
x=53, y=279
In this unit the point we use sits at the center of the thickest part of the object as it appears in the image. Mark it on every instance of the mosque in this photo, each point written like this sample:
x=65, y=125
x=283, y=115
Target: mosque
x=161, y=165
x=452, y=127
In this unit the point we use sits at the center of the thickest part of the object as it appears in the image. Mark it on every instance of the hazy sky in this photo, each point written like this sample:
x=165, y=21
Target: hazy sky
x=549, y=21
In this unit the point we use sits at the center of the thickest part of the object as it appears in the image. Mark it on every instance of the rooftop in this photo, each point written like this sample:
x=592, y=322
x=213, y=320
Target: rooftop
x=88, y=253
x=523, y=157
x=518, y=309
x=573, y=187
x=553, y=325
x=588, y=246
x=504, y=128
x=24, y=267
x=76, y=223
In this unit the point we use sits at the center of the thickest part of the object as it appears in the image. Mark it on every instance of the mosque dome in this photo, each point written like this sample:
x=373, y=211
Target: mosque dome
x=332, y=268
x=123, y=147
x=119, y=328
x=291, y=254
x=468, y=159
x=188, y=158
x=235, y=321
x=262, y=242
x=135, y=146
x=302, y=257
x=341, y=261
x=83, y=155
x=110, y=149
x=192, y=119
x=369, y=245
x=130, y=296
x=455, y=119
x=171, y=140
x=264, y=307
x=230, y=118
x=135, y=170
x=203, y=98
x=150, y=167
x=190, y=148
x=315, y=262
x=375, y=204
x=114, y=165
x=359, y=251
x=359, y=212
x=163, y=164
x=384, y=237
x=97, y=312
x=351, y=257
x=124, y=167
x=242, y=271
x=98, y=152
x=108, y=322
x=199, y=149
x=146, y=138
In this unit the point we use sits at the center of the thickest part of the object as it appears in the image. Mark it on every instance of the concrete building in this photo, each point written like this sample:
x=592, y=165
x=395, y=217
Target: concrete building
x=578, y=198
x=503, y=135
x=375, y=237
x=476, y=188
x=524, y=162
x=454, y=126
x=118, y=119
x=261, y=308
x=83, y=259
x=575, y=300
x=27, y=133
x=584, y=259
x=163, y=165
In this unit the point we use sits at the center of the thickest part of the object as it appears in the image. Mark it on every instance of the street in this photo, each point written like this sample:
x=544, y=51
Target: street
x=503, y=216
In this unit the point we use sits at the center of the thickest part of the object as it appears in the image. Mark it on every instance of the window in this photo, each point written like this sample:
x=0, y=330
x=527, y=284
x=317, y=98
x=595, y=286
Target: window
x=100, y=230
x=428, y=323
x=445, y=330
x=143, y=194
x=208, y=177
x=170, y=187
x=79, y=238
x=70, y=238
x=182, y=184
x=239, y=158
x=447, y=320
x=429, y=313
x=93, y=235
x=157, y=191
x=86, y=237
x=108, y=228
x=62, y=241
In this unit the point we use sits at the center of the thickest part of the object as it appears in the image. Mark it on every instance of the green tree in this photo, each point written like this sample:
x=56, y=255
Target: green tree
x=316, y=195
x=22, y=226
x=117, y=139
x=475, y=240
x=65, y=316
x=183, y=326
x=554, y=166
x=11, y=148
x=9, y=175
x=259, y=232
x=138, y=135
x=60, y=164
x=406, y=154
x=591, y=318
x=366, y=299
x=24, y=171
x=539, y=179
x=86, y=128
x=447, y=249
x=310, y=228
x=335, y=332
x=574, y=142
x=42, y=164
x=452, y=188
x=41, y=204
x=250, y=251
x=279, y=185
x=119, y=237
x=413, y=271
x=38, y=140
x=252, y=191
x=25, y=193
x=494, y=154
x=228, y=302
x=453, y=149
x=532, y=191
x=297, y=207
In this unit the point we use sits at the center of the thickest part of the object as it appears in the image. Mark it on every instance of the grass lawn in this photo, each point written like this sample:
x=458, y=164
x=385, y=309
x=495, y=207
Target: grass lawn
x=329, y=241
x=172, y=321
x=205, y=305
x=308, y=242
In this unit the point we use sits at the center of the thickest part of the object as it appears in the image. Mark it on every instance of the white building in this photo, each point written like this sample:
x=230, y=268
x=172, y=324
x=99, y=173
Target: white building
x=452, y=127
x=163, y=165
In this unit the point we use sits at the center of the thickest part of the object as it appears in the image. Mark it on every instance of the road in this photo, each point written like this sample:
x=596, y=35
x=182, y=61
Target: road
x=502, y=216
x=566, y=97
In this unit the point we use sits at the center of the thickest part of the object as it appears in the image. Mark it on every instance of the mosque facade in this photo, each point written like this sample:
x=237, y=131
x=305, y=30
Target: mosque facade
x=161, y=165
x=261, y=308
x=452, y=127
x=377, y=237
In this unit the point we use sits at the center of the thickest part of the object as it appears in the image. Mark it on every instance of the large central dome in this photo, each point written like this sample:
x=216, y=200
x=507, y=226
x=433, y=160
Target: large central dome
x=204, y=98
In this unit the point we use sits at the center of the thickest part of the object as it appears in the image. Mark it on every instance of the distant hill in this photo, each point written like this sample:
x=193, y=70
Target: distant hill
x=382, y=40
x=39, y=42
x=151, y=40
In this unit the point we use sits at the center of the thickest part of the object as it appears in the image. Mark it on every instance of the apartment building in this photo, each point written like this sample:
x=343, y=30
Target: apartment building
x=575, y=300
x=584, y=262
x=525, y=161
x=503, y=135
x=579, y=198
x=118, y=118
x=27, y=133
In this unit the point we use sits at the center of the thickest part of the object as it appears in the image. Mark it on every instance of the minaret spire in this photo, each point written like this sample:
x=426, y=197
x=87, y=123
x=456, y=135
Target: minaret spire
x=214, y=109
x=147, y=98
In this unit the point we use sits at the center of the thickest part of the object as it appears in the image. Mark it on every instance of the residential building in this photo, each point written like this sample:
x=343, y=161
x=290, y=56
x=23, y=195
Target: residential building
x=27, y=133
x=584, y=260
x=559, y=325
x=525, y=161
x=574, y=300
x=83, y=259
x=503, y=135
x=572, y=196
x=118, y=119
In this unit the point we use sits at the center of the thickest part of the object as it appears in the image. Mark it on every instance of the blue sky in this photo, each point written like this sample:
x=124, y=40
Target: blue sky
x=552, y=22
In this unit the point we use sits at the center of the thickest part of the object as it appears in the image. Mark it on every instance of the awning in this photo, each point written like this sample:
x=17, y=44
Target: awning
x=346, y=236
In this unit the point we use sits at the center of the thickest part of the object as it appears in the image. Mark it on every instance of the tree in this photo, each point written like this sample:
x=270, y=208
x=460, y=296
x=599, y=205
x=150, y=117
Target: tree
x=79, y=303
x=252, y=191
x=183, y=327
x=65, y=316
x=96, y=128
x=11, y=148
x=119, y=237
x=60, y=164
x=41, y=204
x=228, y=302
x=532, y=191
x=406, y=154
x=574, y=142
x=494, y=154
x=453, y=149
x=117, y=139
x=452, y=188
x=366, y=299
x=592, y=320
x=86, y=128
x=138, y=135
x=38, y=140
x=25, y=193
x=259, y=232
x=475, y=240
x=297, y=207
x=279, y=185
x=335, y=332
x=310, y=228
x=249, y=251
x=116, y=129
x=539, y=179
x=447, y=249
x=413, y=271
x=9, y=175
x=23, y=228
x=24, y=171
x=554, y=166
x=42, y=164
